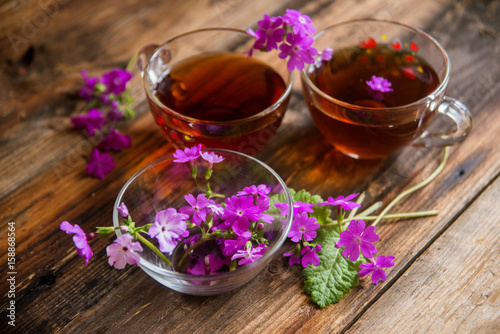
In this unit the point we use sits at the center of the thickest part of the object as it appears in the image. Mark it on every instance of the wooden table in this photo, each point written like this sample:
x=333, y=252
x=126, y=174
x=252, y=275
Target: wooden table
x=446, y=278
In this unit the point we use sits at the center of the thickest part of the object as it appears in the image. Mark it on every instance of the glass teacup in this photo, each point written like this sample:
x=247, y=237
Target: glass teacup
x=363, y=122
x=203, y=88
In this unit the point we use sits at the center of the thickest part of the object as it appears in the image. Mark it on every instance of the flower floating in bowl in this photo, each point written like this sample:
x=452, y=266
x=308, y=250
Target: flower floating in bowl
x=199, y=222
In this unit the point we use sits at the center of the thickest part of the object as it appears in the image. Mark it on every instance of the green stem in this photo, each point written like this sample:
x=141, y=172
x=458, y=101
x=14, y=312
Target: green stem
x=415, y=188
x=402, y=215
x=153, y=248
x=353, y=211
x=417, y=214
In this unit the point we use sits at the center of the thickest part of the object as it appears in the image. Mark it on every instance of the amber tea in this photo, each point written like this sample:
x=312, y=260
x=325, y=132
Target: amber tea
x=368, y=132
x=219, y=90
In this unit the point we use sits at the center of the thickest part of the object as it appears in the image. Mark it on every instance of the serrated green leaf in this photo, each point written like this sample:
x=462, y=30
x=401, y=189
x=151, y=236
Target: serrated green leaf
x=335, y=275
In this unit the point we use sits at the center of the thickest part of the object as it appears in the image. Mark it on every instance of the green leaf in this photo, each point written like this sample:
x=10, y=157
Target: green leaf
x=321, y=212
x=335, y=275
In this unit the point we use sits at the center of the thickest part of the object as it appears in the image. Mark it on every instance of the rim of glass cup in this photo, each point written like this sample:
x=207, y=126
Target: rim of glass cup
x=177, y=275
x=271, y=108
x=438, y=90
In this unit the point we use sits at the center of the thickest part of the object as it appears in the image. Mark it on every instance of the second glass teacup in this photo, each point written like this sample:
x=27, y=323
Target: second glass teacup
x=380, y=91
x=203, y=88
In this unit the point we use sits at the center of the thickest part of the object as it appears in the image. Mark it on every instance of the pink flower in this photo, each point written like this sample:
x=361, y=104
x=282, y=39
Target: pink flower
x=375, y=268
x=122, y=251
x=327, y=54
x=263, y=205
x=302, y=24
x=303, y=228
x=255, y=191
x=345, y=203
x=208, y=266
x=197, y=208
x=271, y=32
x=212, y=158
x=116, y=81
x=123, y=210
x=189, y=153
x=115, y=141
x=87, y=90
x=167, y=228
x=239, y=212
x=80, y=240
x=293, y=260
x=100, y=164
x=229, y=247
x=380, y=84
x=310, y=256
x=300, y=51
x=89, y=122
x=298, y=208
x=249, y=255
x=356, y=238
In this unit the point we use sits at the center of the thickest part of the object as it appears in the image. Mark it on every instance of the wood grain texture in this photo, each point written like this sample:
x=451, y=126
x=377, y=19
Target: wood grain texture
x=42, y=161
x=451, y=297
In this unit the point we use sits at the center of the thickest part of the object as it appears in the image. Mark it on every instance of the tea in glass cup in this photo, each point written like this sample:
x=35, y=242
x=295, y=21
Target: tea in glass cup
x=382, y=87
x=203, y=88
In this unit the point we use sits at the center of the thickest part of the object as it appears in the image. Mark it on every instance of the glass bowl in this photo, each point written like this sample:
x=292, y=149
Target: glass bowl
x=163, y=183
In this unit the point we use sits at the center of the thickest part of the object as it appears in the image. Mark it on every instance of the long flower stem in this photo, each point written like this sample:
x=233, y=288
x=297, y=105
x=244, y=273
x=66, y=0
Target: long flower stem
x=415, y=188
x=153, y=248
x=403, y=215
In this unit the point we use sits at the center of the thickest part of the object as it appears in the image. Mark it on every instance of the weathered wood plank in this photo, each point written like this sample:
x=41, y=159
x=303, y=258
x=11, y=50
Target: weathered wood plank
x=455, y=283
x=42, y=181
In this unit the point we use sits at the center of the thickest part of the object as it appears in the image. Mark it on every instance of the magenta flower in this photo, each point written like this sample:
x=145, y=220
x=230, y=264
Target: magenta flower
x=229, y=247
x=79, y=239
x=300, y=51
x=239, y=212
x=303, y=228
x=270, y=33
x=298, y=208
x=167, y=228
x=123, y=210
x=255, y=191
x=327, y=54
x=375, y=268
x=114, y=114
x=115, y=141
x=208, y=266
x=89, y=122
x=345, y=203
x=100, y=164
x=197, y=208
x=87, y=90
x=380, y=84
x=189, y=153
x=310, y=256
x=249, y=255
x=116, y=81
x=263, y=205
x=356, y=238
x=293, y=260
x=122, y=251
x=212, y=158
x=302, y=24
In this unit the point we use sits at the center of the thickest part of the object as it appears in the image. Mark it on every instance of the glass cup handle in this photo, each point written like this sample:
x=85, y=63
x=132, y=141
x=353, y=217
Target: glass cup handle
x=144, y=56
x=458, y=113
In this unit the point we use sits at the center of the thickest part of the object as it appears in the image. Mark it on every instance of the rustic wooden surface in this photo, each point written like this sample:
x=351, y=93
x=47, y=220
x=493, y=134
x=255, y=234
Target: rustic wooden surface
x=446, y=276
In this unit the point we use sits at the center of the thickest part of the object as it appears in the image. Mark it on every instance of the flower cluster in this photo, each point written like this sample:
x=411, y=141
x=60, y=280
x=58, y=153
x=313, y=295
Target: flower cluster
x=212, y=236
x=357, y=238
x=296, y=45
x=109, y=102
